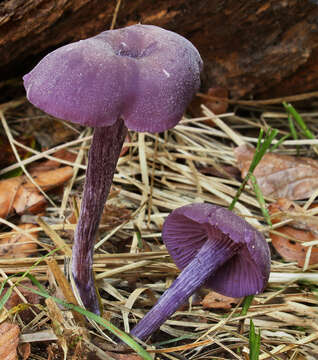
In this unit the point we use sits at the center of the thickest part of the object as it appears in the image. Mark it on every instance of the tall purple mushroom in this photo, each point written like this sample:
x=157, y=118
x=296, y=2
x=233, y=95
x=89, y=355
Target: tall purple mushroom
x=215, y=248
x=140, y=77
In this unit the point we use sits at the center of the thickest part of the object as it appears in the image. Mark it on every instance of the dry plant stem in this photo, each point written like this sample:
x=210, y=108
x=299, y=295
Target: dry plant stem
x=209, y=258
x=102, y=160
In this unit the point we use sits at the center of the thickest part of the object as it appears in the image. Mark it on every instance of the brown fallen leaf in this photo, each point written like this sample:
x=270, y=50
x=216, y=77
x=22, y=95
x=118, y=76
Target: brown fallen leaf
x=9, y=340
x=7, y=156
x=114, y=215
x=284, y=209
x=303, y=228
x=16, y=302
x=18, y=245
x=215, y=103
x=281, y=176
x=214, y=300
x=47, y=165
x=47, y=131
x=24, y=350
x=8, y=192
x=293, y=250
x=20, y=195
x=224, y=171
x=125, y=149
x=47, y=180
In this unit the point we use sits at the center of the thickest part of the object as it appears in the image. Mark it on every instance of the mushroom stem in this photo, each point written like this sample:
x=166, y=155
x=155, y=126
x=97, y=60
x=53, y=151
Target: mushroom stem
x=209, y=258
x=102, y=160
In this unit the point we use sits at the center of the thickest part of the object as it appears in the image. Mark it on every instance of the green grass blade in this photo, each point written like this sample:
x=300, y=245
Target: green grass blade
x=279, y=142
x=254, y=342
x=293, y=131
x=260, y=199
x=239, y=191
x=292, y=127
x=259, y=140
x=2, y=287
x=246, y=304
x=5, y=298
x=139, y=237
x=293, y=112
x=261, y=148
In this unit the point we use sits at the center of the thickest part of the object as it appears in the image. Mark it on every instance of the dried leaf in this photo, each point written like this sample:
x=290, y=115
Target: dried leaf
x=7, y=156
x=293, y=250
x=15, y=301
x=47, y=165
x=223, y=171
x=20, y=195
x=48, y=132
x=18, y=245
x=24, y=350
x=125, y=149
x=9, y=340
x=113, y=215
x=28, y=200
x=303, y=228
x=281, y=176
x=217, y=105
x=48, y=180
x=8, y=192
x=214, y=300
x=284, y=209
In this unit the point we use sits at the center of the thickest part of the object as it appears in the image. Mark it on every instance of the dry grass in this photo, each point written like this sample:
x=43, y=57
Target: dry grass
x=159, y=173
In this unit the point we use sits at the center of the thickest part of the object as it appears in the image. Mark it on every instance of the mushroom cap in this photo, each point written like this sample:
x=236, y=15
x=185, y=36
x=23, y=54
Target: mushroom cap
x=187, y=228
x=142, y=73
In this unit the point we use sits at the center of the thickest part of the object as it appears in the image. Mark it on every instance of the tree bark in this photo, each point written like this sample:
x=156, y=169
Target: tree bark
x=249, y=47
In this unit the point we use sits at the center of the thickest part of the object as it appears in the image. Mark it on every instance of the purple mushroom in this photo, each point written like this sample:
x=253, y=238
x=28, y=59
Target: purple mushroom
x=140, y=77
x=215, y=248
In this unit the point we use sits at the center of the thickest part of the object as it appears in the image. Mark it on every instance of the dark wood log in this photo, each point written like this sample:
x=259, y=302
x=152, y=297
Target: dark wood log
x=249, y=46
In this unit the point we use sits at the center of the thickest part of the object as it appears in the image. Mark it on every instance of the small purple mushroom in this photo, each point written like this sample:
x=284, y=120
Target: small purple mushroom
x=215, y=248
x=140, y=77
